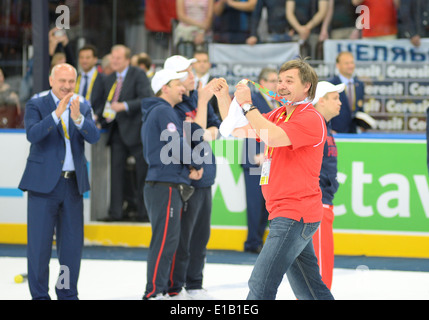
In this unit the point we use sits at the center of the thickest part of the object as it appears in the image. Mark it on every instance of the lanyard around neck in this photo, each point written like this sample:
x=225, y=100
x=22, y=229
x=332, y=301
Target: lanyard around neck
x=278, y=119
x=274, y=95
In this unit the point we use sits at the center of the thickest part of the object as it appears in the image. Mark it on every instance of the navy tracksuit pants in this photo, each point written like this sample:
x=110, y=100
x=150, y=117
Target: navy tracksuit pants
x=164, y=207
x=189, y=260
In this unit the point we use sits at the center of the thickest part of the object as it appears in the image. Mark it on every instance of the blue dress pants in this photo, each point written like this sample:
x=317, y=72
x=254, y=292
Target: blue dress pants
x=59, y=212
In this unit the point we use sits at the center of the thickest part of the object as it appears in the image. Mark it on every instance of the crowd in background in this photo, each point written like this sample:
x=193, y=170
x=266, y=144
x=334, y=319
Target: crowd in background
x=115, y=84
x=200, y=22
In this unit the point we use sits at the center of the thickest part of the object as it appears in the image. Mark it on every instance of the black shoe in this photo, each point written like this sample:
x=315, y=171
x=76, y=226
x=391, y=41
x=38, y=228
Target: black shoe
x=254, y=250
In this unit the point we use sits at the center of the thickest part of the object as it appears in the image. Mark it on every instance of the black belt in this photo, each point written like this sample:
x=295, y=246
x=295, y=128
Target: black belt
x=68, y=174
x=185, y=190
x=168, y=184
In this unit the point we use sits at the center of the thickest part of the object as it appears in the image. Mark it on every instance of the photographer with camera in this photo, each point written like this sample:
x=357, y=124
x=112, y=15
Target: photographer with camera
x=59, y=42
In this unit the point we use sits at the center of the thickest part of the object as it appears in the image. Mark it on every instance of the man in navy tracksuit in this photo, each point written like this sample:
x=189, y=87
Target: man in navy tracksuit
x=170, y=167
x=202, y=124
x=328, y=102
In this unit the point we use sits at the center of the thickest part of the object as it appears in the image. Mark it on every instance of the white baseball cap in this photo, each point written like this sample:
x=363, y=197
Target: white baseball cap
x=164, y=76
x=178, y=63
x=324, y=87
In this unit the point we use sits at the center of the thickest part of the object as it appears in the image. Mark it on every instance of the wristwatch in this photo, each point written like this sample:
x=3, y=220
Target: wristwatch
x=79, y=119
x=247, y=107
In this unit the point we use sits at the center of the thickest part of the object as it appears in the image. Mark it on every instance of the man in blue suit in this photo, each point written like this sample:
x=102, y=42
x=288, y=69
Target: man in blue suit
x=352, y=97
x=257, y=214
x=56, y=177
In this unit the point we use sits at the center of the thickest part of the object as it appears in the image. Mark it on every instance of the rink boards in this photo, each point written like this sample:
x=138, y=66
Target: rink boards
x=381, y=207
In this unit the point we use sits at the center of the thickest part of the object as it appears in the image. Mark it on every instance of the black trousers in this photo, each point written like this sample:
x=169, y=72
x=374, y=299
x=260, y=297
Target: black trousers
x=119, y=152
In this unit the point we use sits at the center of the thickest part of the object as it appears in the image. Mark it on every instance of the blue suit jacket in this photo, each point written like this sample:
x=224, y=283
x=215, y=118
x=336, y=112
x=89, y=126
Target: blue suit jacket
x=47, y=150
x=344, y=122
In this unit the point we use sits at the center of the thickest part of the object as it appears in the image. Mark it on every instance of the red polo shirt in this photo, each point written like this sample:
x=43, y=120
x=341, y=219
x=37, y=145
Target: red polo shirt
x=293, y=187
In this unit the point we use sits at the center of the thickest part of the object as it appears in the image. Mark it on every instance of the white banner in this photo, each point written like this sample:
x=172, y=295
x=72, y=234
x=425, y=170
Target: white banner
x=237, y=61
x=398, y=51
x=270, y=53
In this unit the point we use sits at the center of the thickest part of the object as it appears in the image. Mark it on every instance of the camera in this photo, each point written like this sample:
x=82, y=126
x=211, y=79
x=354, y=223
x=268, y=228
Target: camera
x=60, y=33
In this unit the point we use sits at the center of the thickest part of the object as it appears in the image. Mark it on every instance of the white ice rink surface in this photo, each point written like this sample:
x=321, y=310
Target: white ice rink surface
x=125, y=280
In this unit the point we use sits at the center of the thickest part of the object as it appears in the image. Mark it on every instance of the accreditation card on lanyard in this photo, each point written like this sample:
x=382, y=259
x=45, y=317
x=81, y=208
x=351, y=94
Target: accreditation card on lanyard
x=266, y=166
x=108, y=113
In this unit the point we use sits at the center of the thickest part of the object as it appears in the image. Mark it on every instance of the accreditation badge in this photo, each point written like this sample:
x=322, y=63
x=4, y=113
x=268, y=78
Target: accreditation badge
x=108, y=112
x=265, y=172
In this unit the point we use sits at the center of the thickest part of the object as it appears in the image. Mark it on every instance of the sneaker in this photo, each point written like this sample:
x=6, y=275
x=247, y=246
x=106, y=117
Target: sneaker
x=159, y=296
x=199, y=294
x=182, y=295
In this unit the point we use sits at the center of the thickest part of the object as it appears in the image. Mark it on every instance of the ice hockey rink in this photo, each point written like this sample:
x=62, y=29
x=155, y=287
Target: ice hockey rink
x=118, y=273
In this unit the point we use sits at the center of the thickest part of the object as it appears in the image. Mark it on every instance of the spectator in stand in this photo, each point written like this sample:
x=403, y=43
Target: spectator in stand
x=59, y=42
x=201, y=68
x=123, y=91
x=10, y=112
x=106, y=64
x=382, y=17
x=195, y=21
x=58, y=58
x=342, y=24
x=305, y=17
x=414, y=20
x=351, y=98
x=232, y=20
x=90, y=83
x=144, y=62
x=278, y=29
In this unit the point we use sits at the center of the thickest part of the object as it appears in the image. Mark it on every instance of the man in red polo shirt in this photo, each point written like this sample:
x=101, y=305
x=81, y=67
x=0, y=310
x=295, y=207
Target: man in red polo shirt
x=295, y=135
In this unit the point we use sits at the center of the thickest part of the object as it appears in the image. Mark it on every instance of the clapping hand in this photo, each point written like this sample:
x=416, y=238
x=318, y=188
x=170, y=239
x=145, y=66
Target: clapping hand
x=75, y=109
x=62, y=106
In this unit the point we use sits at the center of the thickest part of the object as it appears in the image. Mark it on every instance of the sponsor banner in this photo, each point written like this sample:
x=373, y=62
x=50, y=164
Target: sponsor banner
x=384, y=191
x=383, y=185
x=235, y=61
x=364, y=50
x=396, y=95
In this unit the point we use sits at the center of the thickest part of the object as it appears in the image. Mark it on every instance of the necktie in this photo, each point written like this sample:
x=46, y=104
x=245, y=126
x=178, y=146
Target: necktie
x=85, y=87
x=118, y=90
x=350, y=94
